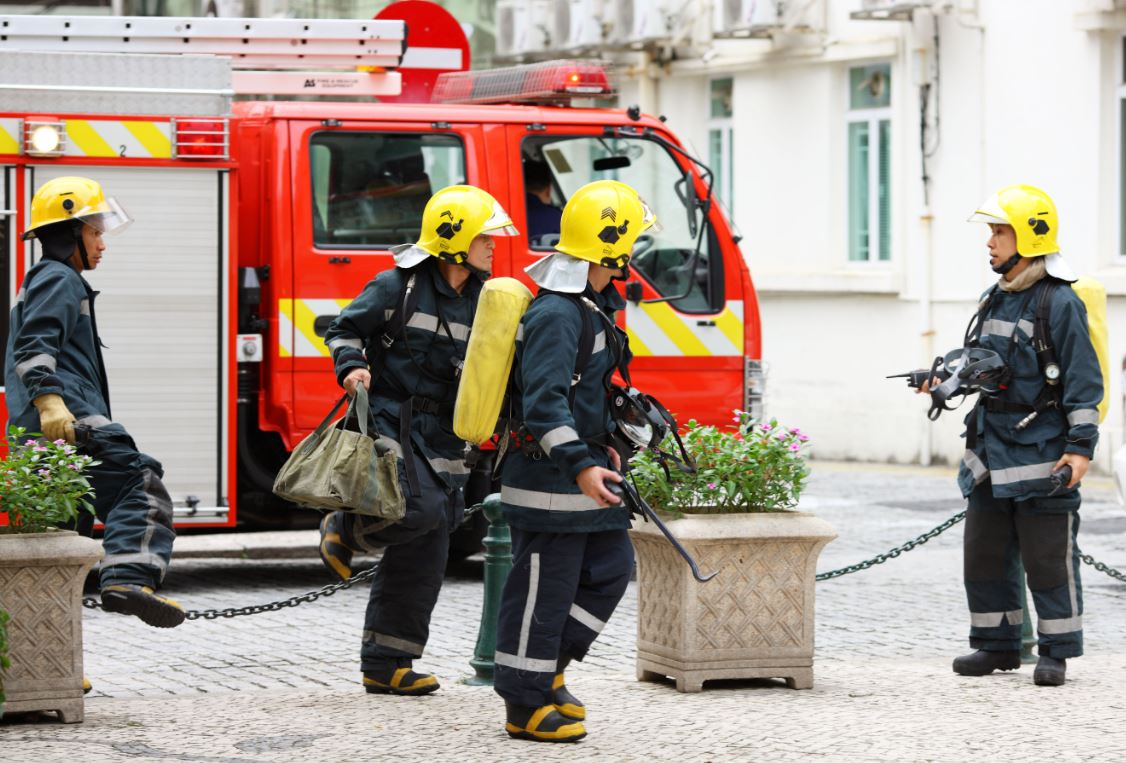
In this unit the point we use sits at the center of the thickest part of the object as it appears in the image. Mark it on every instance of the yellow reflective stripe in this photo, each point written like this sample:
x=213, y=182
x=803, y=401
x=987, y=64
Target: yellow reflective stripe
x=303, y=320
x=638, y=347
x=85, y=138
x=285, y=308
x=156, y=142
x=343, y=303
x=732, y=327
x=680, y=335
x=9, y=140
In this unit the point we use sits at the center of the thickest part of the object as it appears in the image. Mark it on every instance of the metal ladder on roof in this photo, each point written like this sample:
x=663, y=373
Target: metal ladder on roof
x=275, y=56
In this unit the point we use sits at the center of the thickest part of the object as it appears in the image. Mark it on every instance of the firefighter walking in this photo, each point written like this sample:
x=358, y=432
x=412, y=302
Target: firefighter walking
x=404, y=338
x=572, y=557
x=1044, y=419
x=56, y=384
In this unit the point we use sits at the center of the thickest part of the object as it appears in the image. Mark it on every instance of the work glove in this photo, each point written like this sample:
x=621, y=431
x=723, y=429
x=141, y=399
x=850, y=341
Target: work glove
x=55, y=418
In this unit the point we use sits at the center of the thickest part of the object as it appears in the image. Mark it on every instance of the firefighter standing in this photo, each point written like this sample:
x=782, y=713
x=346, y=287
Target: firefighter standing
x=412, y=378
x=572, y=557
x=1015, y=513
x=56, y=384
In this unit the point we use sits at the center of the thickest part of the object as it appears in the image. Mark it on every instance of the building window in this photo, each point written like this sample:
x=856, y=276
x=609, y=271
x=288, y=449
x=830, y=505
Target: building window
x=869, y=163
x=720, y=133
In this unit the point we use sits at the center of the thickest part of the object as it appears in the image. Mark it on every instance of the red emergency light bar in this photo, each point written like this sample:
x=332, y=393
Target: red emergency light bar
x=547, y=82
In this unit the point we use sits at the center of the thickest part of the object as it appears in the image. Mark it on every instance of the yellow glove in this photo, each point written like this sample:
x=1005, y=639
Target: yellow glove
x=55, y=418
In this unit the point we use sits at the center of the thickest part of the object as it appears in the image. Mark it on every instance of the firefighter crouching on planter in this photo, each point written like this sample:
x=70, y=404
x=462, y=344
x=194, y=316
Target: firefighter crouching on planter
x=411, y=371
x=56, y=384
x=572, y=557
x=1015, y=513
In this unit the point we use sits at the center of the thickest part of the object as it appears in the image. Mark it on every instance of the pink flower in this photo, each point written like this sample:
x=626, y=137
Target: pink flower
x=712, y=486
x=40, y=448
x=795, y=430
x=60, y=442
x=795, y=447
x=29, y=443
x=74, y=467
x=765, y=427
x=803, y=438
x=782, y=435
x=44, y=472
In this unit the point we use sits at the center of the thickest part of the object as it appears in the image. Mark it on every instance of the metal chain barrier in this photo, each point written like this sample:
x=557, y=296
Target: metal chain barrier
x=1117, y=574
x=895, y=551
x=274, y=606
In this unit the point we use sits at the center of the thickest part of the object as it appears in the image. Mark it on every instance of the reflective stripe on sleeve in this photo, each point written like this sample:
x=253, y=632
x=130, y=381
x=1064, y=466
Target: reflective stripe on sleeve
x=430, y=323
x=993, y=619
x=454, y=466
x=536, y=499
x=1021, y=473
x=36, y=361
x=558, y=436
x=84, y=307
x=356, y=344
x=94, y=422
x=1083, y=416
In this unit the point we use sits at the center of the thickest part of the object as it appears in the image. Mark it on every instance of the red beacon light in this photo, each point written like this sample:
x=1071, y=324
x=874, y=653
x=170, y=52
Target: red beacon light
x=545, y=83
x=200, y=138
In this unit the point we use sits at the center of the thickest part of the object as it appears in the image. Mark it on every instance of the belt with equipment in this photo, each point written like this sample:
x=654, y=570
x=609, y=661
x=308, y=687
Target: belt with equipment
x=408, y=406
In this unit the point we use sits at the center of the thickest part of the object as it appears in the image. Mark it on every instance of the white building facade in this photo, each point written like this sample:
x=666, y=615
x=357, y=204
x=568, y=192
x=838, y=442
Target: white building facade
x=851, y=140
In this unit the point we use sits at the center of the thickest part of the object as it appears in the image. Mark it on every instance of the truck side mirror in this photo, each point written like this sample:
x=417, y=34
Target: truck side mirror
x=633, y=291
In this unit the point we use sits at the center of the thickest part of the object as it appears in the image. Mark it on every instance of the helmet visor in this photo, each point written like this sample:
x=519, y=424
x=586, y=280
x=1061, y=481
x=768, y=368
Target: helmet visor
x=107, y=217
x=990, y=211
x=499, y=223
x=649, y=222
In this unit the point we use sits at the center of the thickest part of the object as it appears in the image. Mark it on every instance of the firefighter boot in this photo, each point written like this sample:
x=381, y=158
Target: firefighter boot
x=402, y=681
x=1049, y=671
x=565, y=702
x=982, y=663
x=541, y=724
x=140, y=601
x=86, y=685
x=337, y=556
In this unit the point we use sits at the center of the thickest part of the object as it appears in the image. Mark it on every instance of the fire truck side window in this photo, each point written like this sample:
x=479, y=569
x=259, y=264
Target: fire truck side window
x=369, y=188
x=557, y=166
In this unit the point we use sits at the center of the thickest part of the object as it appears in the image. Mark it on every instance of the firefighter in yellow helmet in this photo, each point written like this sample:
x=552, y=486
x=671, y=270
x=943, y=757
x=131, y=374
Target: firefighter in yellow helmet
x=404, y=338
x=1028, y=444
x=572, y=558
x=56, y=384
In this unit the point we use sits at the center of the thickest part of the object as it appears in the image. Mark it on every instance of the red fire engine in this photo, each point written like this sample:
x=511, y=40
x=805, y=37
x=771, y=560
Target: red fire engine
x=256, y=221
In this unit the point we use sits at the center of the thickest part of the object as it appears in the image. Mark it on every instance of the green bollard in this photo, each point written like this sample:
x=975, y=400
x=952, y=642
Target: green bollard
x=1027, y=638
x=498, y=562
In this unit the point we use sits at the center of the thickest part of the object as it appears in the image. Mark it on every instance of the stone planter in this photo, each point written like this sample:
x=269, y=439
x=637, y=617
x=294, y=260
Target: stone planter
x=753, y=620
x=41, y=577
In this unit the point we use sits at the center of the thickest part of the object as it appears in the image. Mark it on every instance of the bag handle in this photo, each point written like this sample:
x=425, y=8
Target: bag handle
x=358, y=405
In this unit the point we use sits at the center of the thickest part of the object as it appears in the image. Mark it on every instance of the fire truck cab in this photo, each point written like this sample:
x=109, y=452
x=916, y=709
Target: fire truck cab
x=255, y=226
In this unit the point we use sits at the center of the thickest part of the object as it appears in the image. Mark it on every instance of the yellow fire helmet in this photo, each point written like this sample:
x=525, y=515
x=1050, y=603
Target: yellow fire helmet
x=453, y=217
x=1031, y=213
x=601, y=223
x=75, y=198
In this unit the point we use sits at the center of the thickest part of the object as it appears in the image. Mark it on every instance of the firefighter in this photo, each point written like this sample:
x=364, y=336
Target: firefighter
x=56, y=384
x=412, y=376
x=1044, y=418
x=572, y=557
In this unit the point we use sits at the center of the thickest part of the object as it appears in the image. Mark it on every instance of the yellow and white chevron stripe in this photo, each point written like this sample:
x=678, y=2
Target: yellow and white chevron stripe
x=296, y=337
x=10, y=136
x=659, y=330
x=654, y=329
x=127, y=139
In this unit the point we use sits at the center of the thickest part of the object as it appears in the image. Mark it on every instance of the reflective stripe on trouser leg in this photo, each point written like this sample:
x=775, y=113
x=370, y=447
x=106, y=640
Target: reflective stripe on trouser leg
x=535, y=606
x=991, y=570
x=406, y=586
x=1048, y=527
x=131, y=501
x=606, y=569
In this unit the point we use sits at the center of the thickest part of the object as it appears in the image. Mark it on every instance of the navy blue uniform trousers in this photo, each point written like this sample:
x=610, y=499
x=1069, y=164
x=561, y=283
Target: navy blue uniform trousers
x=562, y=589
x=406, y=586
x=1001, y=533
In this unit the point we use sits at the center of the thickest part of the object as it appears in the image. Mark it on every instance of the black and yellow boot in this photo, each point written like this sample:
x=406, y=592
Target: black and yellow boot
x=541, y=724
x=565, y=702
x=401, y=681
x=140, y=601
x=335, y=553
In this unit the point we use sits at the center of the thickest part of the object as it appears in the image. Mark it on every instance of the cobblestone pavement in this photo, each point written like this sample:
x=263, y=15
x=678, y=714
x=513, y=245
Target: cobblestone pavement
x=280, y=685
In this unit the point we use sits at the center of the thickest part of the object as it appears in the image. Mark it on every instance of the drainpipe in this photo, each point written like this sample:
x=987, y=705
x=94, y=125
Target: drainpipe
x=926, y=316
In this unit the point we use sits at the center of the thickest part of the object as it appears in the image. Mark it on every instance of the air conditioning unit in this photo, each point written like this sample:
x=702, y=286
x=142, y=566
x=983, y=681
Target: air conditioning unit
x=746, y=18
x=889, y=10
x=576, y=24
x=521, y=27
x=636, y=22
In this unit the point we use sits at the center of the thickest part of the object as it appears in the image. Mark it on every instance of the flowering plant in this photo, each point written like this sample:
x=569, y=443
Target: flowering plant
x=42, y=484
x=749, y=466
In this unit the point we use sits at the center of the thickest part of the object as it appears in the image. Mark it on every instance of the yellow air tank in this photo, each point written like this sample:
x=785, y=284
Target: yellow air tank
x=488, y=359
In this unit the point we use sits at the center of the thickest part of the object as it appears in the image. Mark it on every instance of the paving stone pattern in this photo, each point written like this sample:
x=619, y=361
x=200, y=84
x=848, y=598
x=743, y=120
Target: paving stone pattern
x=284, y=685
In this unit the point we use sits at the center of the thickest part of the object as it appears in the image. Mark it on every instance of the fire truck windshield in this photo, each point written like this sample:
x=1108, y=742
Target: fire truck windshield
x=665, y=259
